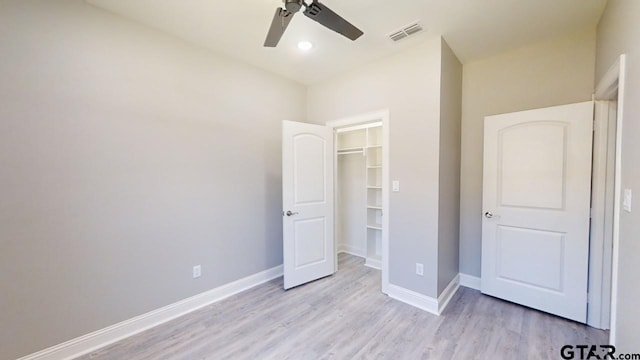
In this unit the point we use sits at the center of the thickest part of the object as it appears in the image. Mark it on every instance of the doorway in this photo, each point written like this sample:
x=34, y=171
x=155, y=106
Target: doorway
x=606, y=203
x=362, y=189
x=603, y=273
x=310, y=158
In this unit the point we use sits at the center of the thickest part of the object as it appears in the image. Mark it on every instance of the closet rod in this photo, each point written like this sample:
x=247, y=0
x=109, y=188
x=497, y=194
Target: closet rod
x=351, y=152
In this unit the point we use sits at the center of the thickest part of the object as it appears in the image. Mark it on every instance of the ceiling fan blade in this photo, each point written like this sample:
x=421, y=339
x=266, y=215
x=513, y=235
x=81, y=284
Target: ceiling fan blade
x=325, y=16
x=281, y=20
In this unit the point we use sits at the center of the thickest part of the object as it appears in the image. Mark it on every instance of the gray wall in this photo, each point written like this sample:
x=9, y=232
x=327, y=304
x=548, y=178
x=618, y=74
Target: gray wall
x=550, y=73
x=449, y=199
x=618, y=33
x=126, y=157
x=408, y=84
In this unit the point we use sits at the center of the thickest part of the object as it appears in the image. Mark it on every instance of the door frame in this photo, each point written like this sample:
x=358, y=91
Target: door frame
x=611, y=87
x=376, y=116
x=601, y=229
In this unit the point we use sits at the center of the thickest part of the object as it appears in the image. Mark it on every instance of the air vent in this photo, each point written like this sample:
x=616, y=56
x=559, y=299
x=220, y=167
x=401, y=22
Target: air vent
x=399, y=35
x=406, y=31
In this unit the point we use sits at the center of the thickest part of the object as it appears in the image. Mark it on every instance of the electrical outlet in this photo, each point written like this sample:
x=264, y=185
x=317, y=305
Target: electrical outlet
x=419, y=269
x=197, y=271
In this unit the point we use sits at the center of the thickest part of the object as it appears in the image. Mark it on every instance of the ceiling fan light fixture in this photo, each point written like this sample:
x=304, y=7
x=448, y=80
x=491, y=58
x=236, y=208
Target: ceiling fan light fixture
x=305, y=45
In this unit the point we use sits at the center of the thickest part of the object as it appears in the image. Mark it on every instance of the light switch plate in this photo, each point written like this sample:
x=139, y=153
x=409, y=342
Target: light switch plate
x=197, y=271
x=628, y=198
x=419, y=269
x=395, y=186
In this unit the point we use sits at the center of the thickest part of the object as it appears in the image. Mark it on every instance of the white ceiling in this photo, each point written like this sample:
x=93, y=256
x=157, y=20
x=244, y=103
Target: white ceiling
x=473, y=28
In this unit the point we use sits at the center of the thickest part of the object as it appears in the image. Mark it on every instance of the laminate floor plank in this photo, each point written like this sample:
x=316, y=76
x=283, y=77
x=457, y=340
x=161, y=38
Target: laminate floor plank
x=345, y=316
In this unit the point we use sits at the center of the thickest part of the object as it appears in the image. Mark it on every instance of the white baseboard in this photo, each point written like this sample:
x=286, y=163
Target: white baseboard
x=470, y=281
x=413, y=298
x=352, y=250
x=447, y=293
x=424, y=302
x=373, y=263
x=98, y=339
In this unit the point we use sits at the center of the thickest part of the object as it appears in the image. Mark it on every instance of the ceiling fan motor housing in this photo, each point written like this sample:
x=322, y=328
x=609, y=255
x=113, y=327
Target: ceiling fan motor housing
x=293, y=6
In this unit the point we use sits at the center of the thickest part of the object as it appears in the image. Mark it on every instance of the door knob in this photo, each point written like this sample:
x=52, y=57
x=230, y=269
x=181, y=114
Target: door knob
x=488, y=215
x=291, y=213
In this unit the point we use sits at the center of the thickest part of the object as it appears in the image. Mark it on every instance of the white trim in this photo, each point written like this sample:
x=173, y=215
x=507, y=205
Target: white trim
x=447, y=293
x=413, y=298
x=386, y=203
x=470, y=281
x=380, y=116
x=610, y=81
x=359, y=127
x=601, y=231
x=424, y=302
x=373, y=263
x=359, y=119
x=617, y=191
x=615, y=79
x=87, y=343
x=352, y=250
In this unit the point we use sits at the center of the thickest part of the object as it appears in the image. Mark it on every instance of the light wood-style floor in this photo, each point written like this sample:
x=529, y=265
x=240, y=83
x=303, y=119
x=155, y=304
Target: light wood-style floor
x=345, y=316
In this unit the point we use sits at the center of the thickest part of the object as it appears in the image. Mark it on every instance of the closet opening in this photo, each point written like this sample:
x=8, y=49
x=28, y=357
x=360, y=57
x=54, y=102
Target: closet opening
x=361, y=190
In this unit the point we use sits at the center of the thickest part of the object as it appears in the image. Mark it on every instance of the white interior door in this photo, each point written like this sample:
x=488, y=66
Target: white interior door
x=307, y=197
x=536, y=198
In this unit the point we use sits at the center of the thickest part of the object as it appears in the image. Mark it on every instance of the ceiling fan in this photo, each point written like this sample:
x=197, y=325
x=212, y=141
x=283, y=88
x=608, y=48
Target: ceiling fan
x=315, y=11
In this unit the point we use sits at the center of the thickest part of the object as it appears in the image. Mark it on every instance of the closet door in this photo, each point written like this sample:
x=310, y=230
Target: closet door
x=307, y=197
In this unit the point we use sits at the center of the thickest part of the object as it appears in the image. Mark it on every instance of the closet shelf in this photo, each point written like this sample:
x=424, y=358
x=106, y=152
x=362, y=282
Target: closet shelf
x=374, y=146
x=374, y=167
x=357, y=148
